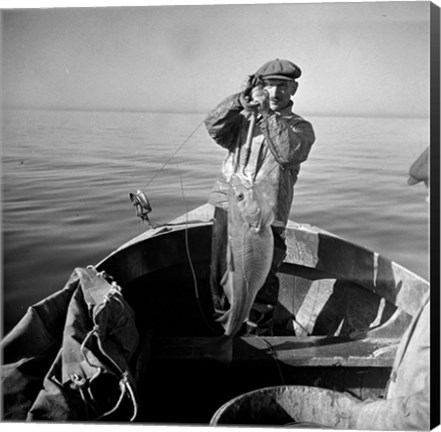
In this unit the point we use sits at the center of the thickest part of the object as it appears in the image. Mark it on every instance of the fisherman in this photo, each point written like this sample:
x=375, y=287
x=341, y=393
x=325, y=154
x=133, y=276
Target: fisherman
x=281, y=140
x=406, y=405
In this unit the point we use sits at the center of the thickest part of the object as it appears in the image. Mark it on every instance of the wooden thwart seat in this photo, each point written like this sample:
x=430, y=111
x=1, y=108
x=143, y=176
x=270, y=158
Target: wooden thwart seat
x=312, y=351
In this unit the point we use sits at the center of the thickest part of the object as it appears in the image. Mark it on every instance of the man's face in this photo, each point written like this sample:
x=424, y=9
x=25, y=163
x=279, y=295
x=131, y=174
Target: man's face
x=280, y=92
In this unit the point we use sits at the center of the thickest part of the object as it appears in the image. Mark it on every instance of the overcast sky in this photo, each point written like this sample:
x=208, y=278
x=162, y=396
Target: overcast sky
x=357, y=58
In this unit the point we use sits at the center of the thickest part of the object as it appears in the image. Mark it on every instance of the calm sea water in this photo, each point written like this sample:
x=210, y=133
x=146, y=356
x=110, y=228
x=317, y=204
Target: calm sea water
x=67, y=175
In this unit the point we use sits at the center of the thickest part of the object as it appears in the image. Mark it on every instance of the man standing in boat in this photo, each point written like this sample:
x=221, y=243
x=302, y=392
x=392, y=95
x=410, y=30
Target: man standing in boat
x=266, y=142
x=407, y=400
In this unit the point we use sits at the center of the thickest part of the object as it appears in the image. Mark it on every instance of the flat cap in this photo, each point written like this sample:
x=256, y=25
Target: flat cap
x=279, y=69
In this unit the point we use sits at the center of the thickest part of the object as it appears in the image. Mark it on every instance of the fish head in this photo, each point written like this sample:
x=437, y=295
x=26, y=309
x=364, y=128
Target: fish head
x=248, y=205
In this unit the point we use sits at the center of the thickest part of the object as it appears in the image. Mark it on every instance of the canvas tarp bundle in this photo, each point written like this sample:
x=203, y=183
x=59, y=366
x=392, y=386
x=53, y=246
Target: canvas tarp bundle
x=69, y=357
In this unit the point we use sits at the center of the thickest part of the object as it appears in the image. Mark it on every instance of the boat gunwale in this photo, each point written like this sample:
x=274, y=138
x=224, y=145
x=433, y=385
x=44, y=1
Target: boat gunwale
x=309, y=258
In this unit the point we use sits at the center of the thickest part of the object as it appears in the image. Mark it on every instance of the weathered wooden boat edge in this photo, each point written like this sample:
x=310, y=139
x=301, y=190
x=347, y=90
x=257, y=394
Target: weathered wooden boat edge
x=348, y=260
x=201, y=215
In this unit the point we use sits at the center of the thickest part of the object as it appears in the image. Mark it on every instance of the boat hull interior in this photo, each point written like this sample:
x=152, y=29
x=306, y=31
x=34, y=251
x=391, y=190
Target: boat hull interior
x=165, y=278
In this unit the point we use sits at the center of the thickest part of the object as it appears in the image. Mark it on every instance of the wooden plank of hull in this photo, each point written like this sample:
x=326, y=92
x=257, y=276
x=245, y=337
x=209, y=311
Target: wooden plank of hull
x=322, y=251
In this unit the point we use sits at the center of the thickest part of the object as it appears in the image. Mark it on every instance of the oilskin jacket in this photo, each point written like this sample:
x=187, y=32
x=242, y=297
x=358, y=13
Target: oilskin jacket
x=407, y=400
x=280, y=143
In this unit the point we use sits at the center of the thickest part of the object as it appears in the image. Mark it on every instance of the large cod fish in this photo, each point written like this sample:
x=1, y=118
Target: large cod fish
x=249, y=256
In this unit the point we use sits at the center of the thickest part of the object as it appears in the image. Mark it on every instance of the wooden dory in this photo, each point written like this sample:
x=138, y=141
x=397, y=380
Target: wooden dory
x=329, y=289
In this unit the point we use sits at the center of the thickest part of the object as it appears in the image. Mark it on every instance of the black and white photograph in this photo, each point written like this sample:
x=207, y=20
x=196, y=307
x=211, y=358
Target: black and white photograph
x=219, y=214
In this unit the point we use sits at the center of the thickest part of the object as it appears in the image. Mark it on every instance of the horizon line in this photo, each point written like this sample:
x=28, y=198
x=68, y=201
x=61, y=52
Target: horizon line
x=147, y=111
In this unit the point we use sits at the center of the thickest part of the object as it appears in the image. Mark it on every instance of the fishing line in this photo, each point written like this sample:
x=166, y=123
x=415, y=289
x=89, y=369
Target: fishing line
x=143, y=209
x=190, y=261
x=301, y=325
x=174, y=154
x=139, y=199
x=273, y=354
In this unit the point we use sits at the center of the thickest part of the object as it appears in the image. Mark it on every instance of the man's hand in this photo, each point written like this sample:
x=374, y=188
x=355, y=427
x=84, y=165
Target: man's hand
x=254, y=97
x=260, y=100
